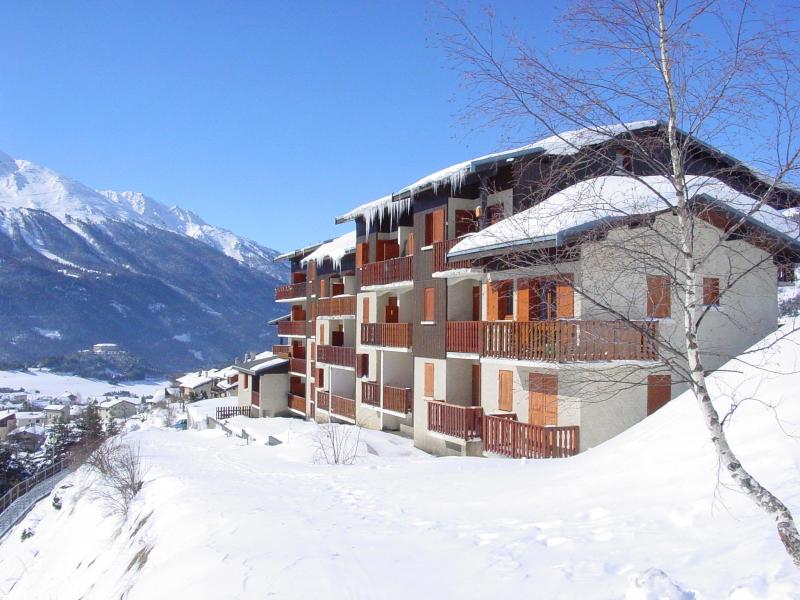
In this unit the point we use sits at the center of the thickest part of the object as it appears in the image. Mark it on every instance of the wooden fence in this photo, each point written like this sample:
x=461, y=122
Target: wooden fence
x=334, y=307
x=344, y=407
x=292, y=290
x=464, y=422
x=370, y=393
x=394, y=335
x=440, y=250
x=388, y=271
x=509, y=437
x=344, y=356
x=26, y=485
x=226, y=412
x=323, y=400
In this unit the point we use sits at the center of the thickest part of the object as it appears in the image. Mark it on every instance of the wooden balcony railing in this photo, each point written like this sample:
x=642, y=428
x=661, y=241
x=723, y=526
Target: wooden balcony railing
x=291, y=328
x=323, y=400
x=282, y=350
x=464, y=336
x=337, y=306
x=509, y=437
x=395, y=335
x=558, y=341
x=292, y=290
x=344, y=407
x=388, y=271
x=297, y=365
x=226, y=412
x=440, y=250
x=463, y=422
x=397, y=399
x=297, y=403
x=344, y=356
x=370, y=393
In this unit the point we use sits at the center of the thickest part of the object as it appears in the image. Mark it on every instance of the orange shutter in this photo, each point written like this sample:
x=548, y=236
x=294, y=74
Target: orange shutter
x=506, y=399
x=659, y=392
x=491, y=302
x=523, y=299
x=711, y=291
x=543, y=399
x=659, y=302
x=410, y=244
x=438, y=225
x=365, y=309
x=429, y=313
x=565, y=297
x=429, y=380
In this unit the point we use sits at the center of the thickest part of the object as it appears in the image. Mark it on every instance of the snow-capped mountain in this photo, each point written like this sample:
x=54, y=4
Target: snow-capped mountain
x=87, y=266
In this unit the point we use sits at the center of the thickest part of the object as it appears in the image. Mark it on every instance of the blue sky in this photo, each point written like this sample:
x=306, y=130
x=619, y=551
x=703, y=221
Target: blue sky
x=265, y=118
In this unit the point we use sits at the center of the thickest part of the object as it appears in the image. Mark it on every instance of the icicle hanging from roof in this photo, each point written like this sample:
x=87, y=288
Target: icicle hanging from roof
x=383, y=207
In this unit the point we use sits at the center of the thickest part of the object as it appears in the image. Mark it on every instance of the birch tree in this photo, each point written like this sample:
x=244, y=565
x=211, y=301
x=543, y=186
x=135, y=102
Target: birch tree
x=706, y=70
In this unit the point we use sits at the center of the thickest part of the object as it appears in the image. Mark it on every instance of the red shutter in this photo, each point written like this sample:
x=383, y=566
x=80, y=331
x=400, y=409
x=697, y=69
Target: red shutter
x=711, y=291
x=429, y=313
x=365, y=309
x=659, y=392
x=659, y=301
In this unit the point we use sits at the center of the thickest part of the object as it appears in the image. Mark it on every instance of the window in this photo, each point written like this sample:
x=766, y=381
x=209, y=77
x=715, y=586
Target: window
x=428, y=380
x=659, y=302
x=246, y=380
x=429, y=312
x=506, y=392
x=542, y=399
x=434, y=227
x=500, y=300
x=711, y=291
x=495, y=213
x=466, y=222
x=659, y=392
x=623, y=159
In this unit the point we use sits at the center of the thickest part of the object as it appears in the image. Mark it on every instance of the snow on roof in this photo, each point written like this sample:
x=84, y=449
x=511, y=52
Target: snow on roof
x=262, y=363
x=6, y=413
x=29, y=415
x=34, y=429
x=565, y=143
x=193, y=380
x=115, y=401
x=285, y=317
x=296, y=252
x=335, y=250
x=606, y=199
x=58, y=407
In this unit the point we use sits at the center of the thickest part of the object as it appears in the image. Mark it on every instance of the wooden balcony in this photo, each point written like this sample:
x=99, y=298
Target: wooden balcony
x=463, y=422
x=291, y=290
x=282, y=350
x=343, y=407
x=397, y=399
x=323, y=400
x=370, y=393
x=554, y=341
x=384, y=272
x=297, y=387
x=297, y=365
x=343, y=356
x=440, y=250
x=506, y=436
x=297, y=403
x=394, y=335
x=292, y=328
x=337, y=306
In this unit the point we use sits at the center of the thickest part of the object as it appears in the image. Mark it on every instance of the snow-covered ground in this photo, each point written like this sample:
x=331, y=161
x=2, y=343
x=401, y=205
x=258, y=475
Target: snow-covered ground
x=643, y=516
x=47, y=383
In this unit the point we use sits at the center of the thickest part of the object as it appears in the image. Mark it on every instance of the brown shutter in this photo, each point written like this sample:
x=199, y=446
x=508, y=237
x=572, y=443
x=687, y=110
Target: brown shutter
x=476, y=303
x=711, y=291
x=565, y=297
x=658, y=296
x=392, y=311
x=506, y=399
x=438, y=225
x=410, y=244
x=428, y=229
x=320, y=378
x=543, y=399
x=523, y=299
x=429, y=379
x=491, y=302
x=362, y=365
x=429, y=313
x=321, y=334
x=659, y=392
x=476, y=385
x=365, y=309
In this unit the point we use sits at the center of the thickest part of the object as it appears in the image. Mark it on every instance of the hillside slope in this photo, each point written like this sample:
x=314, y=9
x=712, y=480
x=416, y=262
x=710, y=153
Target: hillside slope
x=79, y=267
x=640, y=517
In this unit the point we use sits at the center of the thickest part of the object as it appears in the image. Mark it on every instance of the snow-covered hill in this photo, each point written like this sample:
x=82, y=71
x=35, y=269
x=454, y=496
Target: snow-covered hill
x=84, y=266
x=642, y=517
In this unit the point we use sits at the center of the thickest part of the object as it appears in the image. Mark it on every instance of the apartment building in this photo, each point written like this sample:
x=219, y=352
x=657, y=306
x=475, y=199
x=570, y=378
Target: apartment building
x=478, y=309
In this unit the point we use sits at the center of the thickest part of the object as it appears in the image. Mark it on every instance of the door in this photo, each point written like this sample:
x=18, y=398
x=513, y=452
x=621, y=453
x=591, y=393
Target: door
x=506, y=392
x=542, y=399
x=392, y=311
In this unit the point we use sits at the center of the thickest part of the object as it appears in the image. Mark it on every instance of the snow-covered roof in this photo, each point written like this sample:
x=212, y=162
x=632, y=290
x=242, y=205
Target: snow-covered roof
x=297, y=252
x=602, y=200
x=6, y=413
x=55, y=407
x=115, y=401
x=334, y=250
x=276, y=320
x=31, y=429
x=194, y=380
x=224, y=385
x=259, y=365
x=29, y=415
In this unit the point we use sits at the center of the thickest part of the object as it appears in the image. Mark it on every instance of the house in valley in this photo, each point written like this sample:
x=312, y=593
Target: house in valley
x=196, y=385
x=117, y=408
x=496, y=306
x=264, y=386
x=8, y=421
x=54, y=413
x=25, y=418
x=29, y=438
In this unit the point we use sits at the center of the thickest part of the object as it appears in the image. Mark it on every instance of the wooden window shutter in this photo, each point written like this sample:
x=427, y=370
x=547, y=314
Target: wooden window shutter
x=246, y=380
x=543, y=399
x=476, y=303
x=410, y=244
x=320, y=378
x=438, y=225
x=323, y=288
x=429, y=313
x=365, y=309
x=506, y=399
x=565, y=297
x=659, y=392
x=428, y=229
x=523, y=299
x=659, y=301
x=491, y=302
x=322, y=334
x=476, y=385
x=362, y=254
x=711, y=291
x=362, y=365
x=429, y=379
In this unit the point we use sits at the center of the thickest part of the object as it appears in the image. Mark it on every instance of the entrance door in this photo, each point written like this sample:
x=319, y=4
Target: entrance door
x=542, y=399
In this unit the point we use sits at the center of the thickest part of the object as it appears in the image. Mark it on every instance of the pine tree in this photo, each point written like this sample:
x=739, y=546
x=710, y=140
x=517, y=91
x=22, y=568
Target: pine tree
x=111, y=426
x=59, y=440
x=90, y=425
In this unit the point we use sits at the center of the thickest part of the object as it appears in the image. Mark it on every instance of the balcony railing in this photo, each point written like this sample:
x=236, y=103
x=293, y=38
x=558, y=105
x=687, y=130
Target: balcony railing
x=388, y=271
x=344, y=407
x=282, y=350
x=395, y=335
x=291, y=328
x=463, y=422
x=292, y=290
x=557, y=341
x=370, y=393
x=297, y=403
x=397, y=399
x=323, y=400
x=297, y=365
x=509, y=437
x=440, y=250
x=337, y=306
x=343, y=356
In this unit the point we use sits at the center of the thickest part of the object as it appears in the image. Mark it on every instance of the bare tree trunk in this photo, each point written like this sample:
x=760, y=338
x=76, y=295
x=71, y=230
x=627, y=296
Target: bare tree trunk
x=787, y=530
